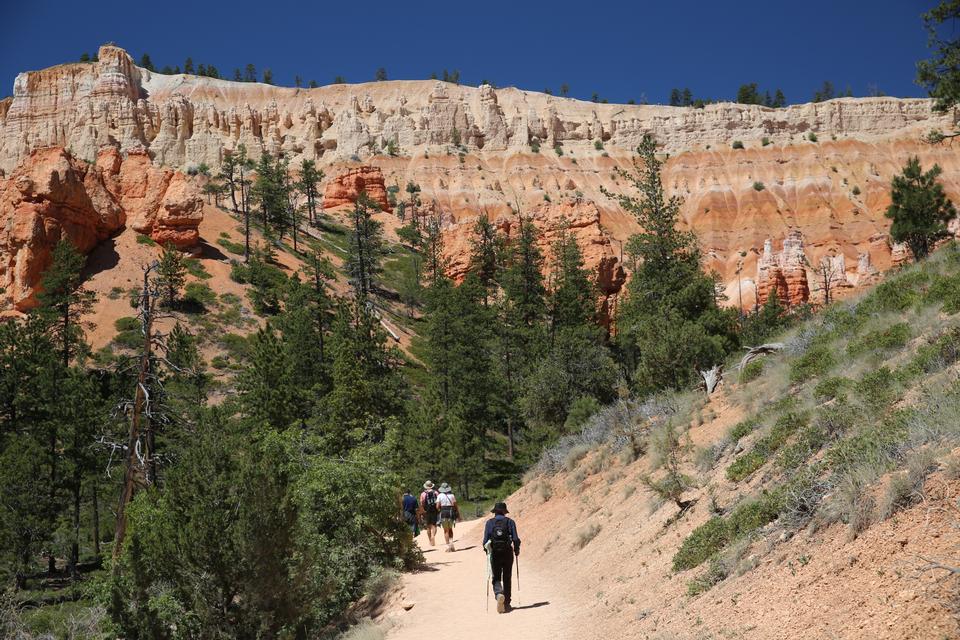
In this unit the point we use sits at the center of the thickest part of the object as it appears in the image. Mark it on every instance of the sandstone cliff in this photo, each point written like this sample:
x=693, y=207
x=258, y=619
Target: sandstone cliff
x=53, y=196
x=476, y=150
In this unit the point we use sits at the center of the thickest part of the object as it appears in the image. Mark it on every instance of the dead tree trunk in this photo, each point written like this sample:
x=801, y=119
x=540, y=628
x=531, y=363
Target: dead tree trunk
x=139, y=424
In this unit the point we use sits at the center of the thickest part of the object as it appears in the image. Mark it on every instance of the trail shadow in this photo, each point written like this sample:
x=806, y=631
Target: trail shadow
x=433, y=566
x=535, y=605
x=473, y=546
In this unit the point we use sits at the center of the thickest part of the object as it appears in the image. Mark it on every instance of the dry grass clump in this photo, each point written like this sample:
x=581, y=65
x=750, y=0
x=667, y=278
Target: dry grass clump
x=366, y=630
x=574, y=455
x=543, y=490
x=584, y=535
x=906, y=487
x=852, y=502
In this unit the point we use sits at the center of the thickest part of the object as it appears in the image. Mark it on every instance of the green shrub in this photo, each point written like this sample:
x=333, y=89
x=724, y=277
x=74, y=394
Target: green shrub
x=897, y=294
x=196, y=269
x=219, y=362
x=743, y=428
x=716, y=533
x=199, y=295
x=147, y=240
x=535, y=147
x=737, y=144
x=558, y=149
x=237, y=346
x=856, y=190
x=830, y=388
x=890, y=338
x=231, y=246
x=812, y=137
x=945, y=290
x=877, y=388
x=765, y=141
x=704, y=542
x=939, y=352
x=752, y=371
x=746, y=465
x=810, y=440
x=783, y=428
x=598, y=145
x=127, y=323
x=817, y=360
x=716, y=572
x=758, y=186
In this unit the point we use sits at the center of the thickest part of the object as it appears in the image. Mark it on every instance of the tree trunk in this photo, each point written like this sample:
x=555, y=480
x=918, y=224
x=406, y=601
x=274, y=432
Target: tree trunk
x=75, y=543
x=96, y=517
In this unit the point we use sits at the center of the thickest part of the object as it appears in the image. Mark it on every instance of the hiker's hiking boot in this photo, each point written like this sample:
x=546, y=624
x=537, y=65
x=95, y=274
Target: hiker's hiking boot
x=501, y=604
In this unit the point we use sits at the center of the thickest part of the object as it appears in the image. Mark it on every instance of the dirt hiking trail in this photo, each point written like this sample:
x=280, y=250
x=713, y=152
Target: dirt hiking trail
x=448, y=595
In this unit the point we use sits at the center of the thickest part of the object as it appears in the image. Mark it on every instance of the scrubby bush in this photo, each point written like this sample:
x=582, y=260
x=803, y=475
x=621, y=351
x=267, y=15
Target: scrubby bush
x=856, y=190
x=812, y=137
x=896, y=294
x=585, y=534
x=888, y=339
x=877, y=388
x=752, y=371
x=199, y=295
x=818, y=360
x=830, y=388
x=126, y=323
x=781, y=431
x=945, y=290
x=716, y=572
x=765, y=141
x=758, y=186
x=737, y=144
x=743, y=428
x=598, y=145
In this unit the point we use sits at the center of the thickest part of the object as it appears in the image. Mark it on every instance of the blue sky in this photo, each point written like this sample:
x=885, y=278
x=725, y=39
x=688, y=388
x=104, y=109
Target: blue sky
x=619, y=50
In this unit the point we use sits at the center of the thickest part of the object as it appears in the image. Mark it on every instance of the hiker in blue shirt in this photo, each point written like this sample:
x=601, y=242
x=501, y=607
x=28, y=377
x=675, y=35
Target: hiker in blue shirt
x=501, y=541
x=409, y=506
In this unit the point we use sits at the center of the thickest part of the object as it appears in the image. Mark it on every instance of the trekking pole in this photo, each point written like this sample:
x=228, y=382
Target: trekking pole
x=517, y=558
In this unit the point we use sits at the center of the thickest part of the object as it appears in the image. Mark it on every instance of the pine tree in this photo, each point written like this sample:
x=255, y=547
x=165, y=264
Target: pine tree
x=919, y=208
x=310, y=178
x=779, y=100
x=381, y=75
x=171, y=274
x=486, y=250
x=267, y=76
x=188, y=66
x=670, y=326
x=366, y=247
x=523, y=277
x=64, y=301
x=368, y=390
x=146, y=62
x=675, y=97
x=269, y=393
x=250, y=73
x=574, y=296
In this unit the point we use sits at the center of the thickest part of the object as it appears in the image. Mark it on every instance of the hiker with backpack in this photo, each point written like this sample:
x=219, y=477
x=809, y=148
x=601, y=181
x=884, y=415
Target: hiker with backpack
x=408, y=506
x=431, y=514
x=449, y=513
x=502, y=544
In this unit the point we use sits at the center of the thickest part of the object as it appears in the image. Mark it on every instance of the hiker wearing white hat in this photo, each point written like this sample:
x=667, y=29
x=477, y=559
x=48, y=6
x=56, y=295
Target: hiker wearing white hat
x=449, y=513
x=429, y=511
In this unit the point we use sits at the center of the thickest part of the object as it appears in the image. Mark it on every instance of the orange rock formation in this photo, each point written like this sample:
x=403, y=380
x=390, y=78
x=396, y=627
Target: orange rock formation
x=346, y=187
x=53, y=195
x=472, y=150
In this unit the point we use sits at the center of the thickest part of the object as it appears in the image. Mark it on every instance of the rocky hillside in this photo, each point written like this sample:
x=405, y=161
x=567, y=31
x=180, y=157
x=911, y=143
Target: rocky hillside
x=747, y=173
x=815, y=495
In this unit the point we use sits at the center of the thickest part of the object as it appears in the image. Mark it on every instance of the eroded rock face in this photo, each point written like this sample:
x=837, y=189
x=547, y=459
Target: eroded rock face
x=53, y=195
x=50, y=197
x=784, y=273
x=346, y=187
x=471, y=150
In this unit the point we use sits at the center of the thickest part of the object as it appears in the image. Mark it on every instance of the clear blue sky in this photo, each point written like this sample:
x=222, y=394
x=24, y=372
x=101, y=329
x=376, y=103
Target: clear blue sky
x=620, y=50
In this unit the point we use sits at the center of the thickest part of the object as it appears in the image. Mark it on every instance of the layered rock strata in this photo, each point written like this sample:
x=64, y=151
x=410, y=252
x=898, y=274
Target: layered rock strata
x=475, y=150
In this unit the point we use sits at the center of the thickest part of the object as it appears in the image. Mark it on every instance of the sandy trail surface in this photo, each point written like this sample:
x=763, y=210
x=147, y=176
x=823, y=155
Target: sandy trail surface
x=449, y=595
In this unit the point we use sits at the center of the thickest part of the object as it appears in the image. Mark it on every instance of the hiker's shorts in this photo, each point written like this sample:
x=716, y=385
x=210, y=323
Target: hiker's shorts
x=447, y=525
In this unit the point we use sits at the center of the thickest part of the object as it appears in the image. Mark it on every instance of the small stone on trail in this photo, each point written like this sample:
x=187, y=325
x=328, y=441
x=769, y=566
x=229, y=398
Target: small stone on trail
x=407, y=605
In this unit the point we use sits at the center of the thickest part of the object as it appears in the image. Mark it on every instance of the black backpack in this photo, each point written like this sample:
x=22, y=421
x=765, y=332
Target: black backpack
x=500, y=538
x=430, y=502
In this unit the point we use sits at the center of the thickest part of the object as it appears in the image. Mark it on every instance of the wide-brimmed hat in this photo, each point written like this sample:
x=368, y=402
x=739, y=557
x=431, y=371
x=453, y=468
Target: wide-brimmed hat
x=428, y=485
x=445, y=488
x=500, y=507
